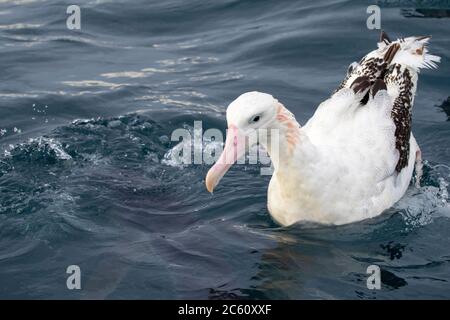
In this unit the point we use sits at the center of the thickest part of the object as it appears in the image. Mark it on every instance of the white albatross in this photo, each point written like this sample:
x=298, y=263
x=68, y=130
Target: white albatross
x=355, y=157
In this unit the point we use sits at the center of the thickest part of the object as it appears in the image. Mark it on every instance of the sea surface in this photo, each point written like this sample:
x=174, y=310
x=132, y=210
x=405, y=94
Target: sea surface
x=87, y=175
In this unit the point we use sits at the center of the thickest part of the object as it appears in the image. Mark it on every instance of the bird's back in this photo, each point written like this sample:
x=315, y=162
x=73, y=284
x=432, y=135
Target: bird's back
x=364, y=129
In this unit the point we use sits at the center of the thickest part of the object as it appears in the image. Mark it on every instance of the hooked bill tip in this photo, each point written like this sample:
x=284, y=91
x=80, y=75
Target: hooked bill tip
x=209, y=182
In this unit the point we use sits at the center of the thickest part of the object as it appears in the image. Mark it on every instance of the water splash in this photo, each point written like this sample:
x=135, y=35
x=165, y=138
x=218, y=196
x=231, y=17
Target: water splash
x=419, y=207
x=173, y=157
x=38, y=149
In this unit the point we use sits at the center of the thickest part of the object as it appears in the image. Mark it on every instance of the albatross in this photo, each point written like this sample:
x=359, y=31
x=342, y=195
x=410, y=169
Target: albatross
x=355, y=157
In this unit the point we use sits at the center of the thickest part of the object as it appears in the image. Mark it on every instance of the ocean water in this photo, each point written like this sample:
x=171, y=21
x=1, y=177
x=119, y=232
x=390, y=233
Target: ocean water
x=86, y=170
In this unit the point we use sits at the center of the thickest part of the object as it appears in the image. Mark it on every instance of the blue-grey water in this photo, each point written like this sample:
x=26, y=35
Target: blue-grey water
x=86, y=176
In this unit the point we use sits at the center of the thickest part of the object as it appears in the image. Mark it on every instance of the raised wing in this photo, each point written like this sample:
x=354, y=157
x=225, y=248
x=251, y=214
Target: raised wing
x=394, y=67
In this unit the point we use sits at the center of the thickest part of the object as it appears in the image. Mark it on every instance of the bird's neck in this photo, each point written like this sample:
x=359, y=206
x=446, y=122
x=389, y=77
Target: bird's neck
x=287, y=144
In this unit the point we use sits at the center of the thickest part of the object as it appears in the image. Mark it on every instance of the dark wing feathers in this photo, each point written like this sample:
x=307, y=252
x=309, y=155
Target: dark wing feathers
x=401, y=112
x=384, y=38
x=378, y=85
x=370, y=68
x=373, y=74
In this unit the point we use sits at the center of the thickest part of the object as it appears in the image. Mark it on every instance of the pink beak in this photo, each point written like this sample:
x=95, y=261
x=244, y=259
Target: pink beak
x=233, y=150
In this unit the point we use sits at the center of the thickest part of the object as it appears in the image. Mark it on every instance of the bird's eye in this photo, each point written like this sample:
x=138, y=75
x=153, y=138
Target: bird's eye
x=255, y=119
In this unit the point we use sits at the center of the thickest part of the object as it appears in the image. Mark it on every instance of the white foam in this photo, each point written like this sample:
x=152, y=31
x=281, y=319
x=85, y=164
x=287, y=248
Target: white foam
x=172, y=158
x=421, y=206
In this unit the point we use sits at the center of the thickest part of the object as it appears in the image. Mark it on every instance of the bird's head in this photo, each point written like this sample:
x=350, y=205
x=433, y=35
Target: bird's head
x=246, y=115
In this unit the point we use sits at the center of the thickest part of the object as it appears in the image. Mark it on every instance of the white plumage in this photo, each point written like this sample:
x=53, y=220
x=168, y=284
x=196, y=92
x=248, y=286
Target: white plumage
x=345, y=164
